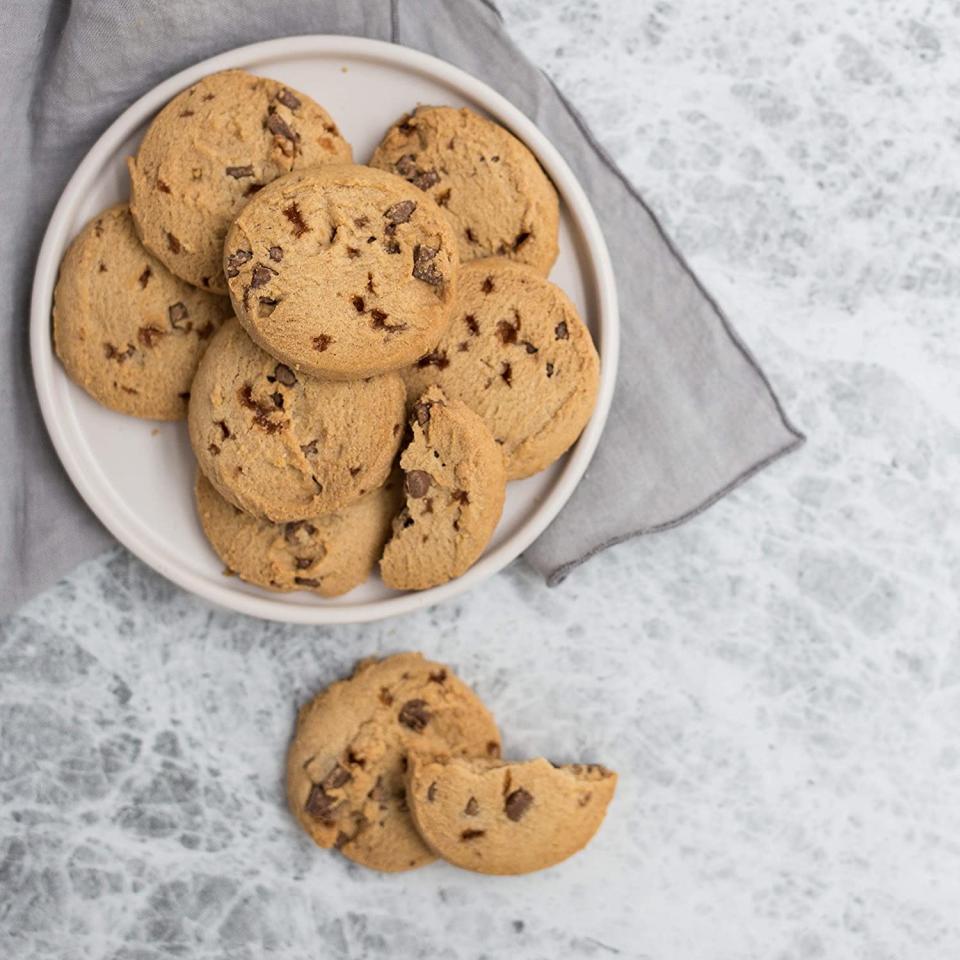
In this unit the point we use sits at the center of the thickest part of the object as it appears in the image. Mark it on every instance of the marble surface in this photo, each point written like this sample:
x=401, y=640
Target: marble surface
x=778, y=681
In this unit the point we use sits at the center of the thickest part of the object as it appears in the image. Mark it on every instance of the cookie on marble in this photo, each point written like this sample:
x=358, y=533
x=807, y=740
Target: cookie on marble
x=284, y=446
x=352, y=746
x=489, y=184
x=208, y=151
x=328, y=555
x=455, y=483
x=491, y=816
x=127, y=330
x=517, y=353
x=342, y=271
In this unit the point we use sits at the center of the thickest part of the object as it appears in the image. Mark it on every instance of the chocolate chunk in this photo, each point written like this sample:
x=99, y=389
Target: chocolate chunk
x=549, y=369
x=471, y=236
x=417, y=483
x=528, y=346
x=406, y=166
x=288, y=99
x=173, y=243
x=471, y=321
x=261, y=411
x=423, y=266
x=261, y=276
x=280, y=128
x=507, y=332
x=431, y=793
x=517, y=804
x=284, y=375
x=102, y=268
x=292, y=213
x=391, y=246
x=306, y=581
x=214, y=449
x=436, y=359
x=405, y=126
x=149, y=336
x=333, y=234
x=472, y=808
x=520, y=239
x=276, y=254
x=320, y=805
x=425, y=179
x=224, y=429
x=178, y=313
x=506, y=373
x=238, y=173
x=461, y=497
x=145, y=276
x=162, y=186
x=277, y=399
x=236, y=260
x=561, y=330
x=400, y=212
x=378, y=320
x=291, y=531
x=443, y=199
x=353, y=253
x=422, y=413
x=415, y=715
x=472, y=834
x=321, y=342
x=337, y=777
x=439, y=677
x=359, y=304
x=487, y=286
x=302, y=563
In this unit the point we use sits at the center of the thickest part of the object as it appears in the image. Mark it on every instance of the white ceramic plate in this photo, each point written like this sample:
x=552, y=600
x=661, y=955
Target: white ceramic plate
x=137, y=476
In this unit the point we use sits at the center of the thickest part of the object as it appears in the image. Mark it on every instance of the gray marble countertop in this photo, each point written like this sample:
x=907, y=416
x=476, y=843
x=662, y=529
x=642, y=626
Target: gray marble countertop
x=778, y=681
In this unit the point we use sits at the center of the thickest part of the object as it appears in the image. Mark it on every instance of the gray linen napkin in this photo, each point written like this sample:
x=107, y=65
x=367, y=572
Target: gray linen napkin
x=693, y=414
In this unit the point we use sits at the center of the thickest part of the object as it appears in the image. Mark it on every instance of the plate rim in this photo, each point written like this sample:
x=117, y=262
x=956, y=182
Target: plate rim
x=55, y=240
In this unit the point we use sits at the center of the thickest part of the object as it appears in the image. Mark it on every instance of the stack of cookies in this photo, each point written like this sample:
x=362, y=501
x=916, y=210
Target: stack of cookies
x=400, y=764
x=365, y=355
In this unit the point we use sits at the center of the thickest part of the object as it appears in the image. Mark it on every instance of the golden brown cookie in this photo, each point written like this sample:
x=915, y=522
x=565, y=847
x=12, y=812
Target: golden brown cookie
x=490, y=185
x=342, y=271
x=328, y=555
x=455, y=484
x=285, y=446
x=491, y=816
x=347, y=762
x=517, y=353
x=208, y=151
x=126, y=329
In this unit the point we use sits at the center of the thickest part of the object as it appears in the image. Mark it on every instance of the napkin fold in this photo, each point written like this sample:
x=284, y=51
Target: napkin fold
x=693, y=414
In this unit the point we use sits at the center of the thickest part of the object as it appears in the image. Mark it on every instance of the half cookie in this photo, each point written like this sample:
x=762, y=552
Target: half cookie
x=126, y=329
x=517, y=353
x=354, y=742
x=327, y=555
x=489, y=184
x=455, y=484
x=285, y=446
x=496, y=817
x=342, y=271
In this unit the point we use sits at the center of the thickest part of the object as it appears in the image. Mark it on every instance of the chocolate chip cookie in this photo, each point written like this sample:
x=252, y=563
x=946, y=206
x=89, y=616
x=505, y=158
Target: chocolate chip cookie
x=517, y=353
x=489, y=184
x=491, y=816
x=455, y=483
x=208, y=151
x=284, y=446
x=328, y=555
x=342, y=271
x=353, y=744
x=126, y=329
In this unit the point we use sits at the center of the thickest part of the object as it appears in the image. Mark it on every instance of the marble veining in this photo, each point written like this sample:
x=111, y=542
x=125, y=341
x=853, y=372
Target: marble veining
x=778, y=681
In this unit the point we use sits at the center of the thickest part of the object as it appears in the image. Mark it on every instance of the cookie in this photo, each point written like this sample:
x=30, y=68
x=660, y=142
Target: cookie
x=328, y=555
x=489, y=184
x=208, y=151
x=284, y=446
x=127, y=330
x=517, y=353
x=455, y=484
x=342, y=271
x=505, y=818
x=347, y=762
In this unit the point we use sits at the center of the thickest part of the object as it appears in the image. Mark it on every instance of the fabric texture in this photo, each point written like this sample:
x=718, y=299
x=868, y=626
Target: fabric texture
x=693, y=414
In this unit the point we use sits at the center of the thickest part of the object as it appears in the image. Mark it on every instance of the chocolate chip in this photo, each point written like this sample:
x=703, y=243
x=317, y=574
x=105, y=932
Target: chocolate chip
x=443, y=199
x=214, y=449
x=431, y=793
x=417, y=483
x=528, y=346
x=436, y=359
x=386, y=698
x=461, y=497
x=549, y=369
x=406, y=166
x=306, y=581
x=472, y=808
x=507, y=332
x=422, y=413
x=487, y=286
x=238, y=173
x=173, y=243
x=261, y=411
x=291, y=530
x=561, y=330
x=284, y=375
x=472, y=834
x=439, y=677
x=400, y=212
x=310, y=449
x=359, y=304
x=520, y=240
x=224, y=429
x=408, y=522
x=471, y=236
x=277, y=399
x=292, y=213
x=354, y=759
x=261, y=276
x=320, y=805
x=162, y=187
x=517, y=804
x=145, y=276
x=493, y=748
x=415, y=715
x=280, y=128
x=276, y=254
x=149, y=336
x=333, y=234
x=321, y=342
x=391, y=246
x=405, y=126
x=103, y=267
x=178, y=313
x=353, y=253
x=252, y=189
x=302, y=563
x=236, y=260
x=288, y=99
x=337, y=777
x=425, y=179
x=506, y=373
x=471, y=321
